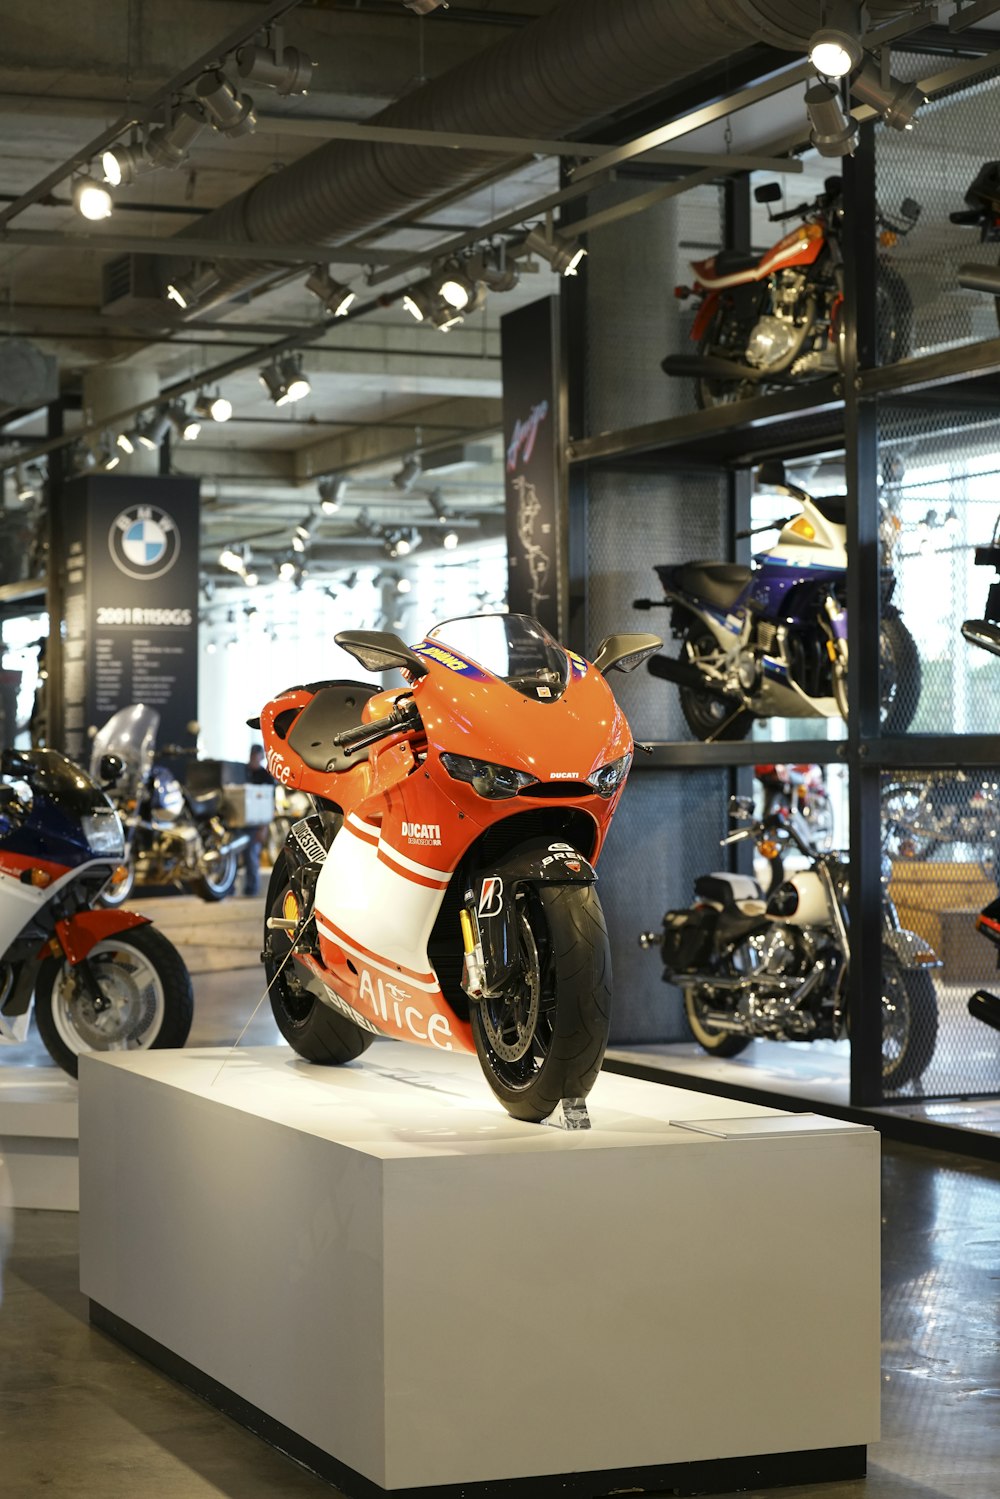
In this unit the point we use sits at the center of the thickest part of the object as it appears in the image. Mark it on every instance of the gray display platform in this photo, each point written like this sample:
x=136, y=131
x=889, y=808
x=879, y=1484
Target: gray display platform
x=383, y=1273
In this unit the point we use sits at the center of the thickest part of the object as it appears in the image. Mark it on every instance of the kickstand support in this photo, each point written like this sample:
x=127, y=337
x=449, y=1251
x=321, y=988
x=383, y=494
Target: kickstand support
x=725, y=725
x=570, y=1113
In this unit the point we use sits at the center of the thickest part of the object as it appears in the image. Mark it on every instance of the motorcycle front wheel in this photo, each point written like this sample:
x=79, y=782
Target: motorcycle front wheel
x=145, y=991
x=311, y=1028
x=219, y=878
x=718, y=1043
x=119, y=890
x=909, y=1022
x=544, y=1039
x=708, y=716
x=900, y=677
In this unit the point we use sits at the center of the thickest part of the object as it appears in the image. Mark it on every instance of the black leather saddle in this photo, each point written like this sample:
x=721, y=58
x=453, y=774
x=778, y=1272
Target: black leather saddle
x=337, y=706
x=718, y=583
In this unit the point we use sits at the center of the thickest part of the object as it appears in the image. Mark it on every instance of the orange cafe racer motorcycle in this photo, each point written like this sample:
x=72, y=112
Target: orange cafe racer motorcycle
x=443, y=890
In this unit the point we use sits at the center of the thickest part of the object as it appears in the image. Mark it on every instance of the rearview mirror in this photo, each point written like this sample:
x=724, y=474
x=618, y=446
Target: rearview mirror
x=110, y=768
x=380, y=650
x=768, y=192
x=625, y=652
x=772, y=473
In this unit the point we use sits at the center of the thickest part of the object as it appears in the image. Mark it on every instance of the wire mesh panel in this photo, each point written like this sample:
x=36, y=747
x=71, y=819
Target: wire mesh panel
x=940, y=497
x=933, y=165
x=940, y=837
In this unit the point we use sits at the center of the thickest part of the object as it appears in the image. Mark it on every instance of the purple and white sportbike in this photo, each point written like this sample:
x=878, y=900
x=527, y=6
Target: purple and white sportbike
x=770, y=641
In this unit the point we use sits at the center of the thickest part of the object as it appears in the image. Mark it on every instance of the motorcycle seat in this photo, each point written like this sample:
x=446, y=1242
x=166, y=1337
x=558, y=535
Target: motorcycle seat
x=719, y=583
x=726, y=889
x=724, y=265
x=833, y=507
x=735, y=927
x=336, y=707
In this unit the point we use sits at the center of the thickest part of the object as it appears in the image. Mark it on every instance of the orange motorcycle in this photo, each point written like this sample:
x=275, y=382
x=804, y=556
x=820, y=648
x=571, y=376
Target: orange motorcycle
x=443, y=889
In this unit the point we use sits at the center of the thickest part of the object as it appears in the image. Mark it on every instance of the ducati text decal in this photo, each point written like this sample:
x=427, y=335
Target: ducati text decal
x=389, y=1000
x=491, y=896
x=144, y=541
x=428, y=833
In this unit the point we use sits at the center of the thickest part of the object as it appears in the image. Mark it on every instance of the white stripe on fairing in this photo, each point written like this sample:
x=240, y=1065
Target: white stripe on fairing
x=393, y=853
x=341, y=942
x=381, y=908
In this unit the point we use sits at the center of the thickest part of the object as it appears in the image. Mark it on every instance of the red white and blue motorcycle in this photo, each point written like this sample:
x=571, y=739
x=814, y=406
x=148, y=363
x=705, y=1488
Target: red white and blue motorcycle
x=770, y=641
x=100, y=980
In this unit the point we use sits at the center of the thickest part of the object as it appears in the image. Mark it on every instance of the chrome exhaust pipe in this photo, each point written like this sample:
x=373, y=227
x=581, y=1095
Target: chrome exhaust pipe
x=231, y=846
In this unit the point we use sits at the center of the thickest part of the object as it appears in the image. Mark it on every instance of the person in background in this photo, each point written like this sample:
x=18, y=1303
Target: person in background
x=257, y=775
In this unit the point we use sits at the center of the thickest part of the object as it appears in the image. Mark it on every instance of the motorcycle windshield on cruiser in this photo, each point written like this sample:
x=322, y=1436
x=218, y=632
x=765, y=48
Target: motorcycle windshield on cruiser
x=775, y=965
x=772, y=320
x=171, y=834
x=99, y=980
x=443, y=890
x=770, y=641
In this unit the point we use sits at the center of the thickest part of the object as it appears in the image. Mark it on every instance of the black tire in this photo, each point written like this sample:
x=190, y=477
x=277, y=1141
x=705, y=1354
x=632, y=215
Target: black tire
x=909, y=1022
x=893, y=315
x=817, y=813
x=716, y=1042
x=901, y=801
x=311, y=1028
x=545, y=1040
x=717, y=340
x=900, y=675
x=220, y=880
x=144, y=977
x=705, y=714
x=119, y=891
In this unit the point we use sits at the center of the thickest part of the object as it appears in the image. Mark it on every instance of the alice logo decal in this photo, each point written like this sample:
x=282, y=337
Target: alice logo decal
x=144, y=541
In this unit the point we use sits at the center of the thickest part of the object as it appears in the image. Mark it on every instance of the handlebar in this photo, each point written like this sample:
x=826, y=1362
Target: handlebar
x=367, y=734
x=973, y=216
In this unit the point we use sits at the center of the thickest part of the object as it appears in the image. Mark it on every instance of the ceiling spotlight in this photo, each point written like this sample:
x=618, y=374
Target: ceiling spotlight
x=450, y=540
x=424, y=7
x=408, y=475
x=453, y=286
x=123, y=164
x=91, y=199
x=403, y=585
x=332, y=488
x=231, y=560
x=151, y=432
x=124, y=441
x=229, y=111
x=188, y=426
x=417, y=300
x=563, y=255
x=833, y=133
x=491, y=266
x=896, y=102
x=251, y=580
x=335, y=296
x=213, y=408
x=287, y=72
x=284, y=381
x=188, y=290
x=287, y=571
x=25, y=491
x=110, y=461
x=835, y=49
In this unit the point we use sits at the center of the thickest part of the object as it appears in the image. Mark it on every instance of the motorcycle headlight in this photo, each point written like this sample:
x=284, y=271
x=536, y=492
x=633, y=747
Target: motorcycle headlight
x=103, y=832
x=607, y=780
x=486, y=779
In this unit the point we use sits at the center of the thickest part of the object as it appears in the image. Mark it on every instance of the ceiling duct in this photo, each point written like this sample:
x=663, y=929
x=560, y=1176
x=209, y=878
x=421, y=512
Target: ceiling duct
x=453, y=460
x=582, y=62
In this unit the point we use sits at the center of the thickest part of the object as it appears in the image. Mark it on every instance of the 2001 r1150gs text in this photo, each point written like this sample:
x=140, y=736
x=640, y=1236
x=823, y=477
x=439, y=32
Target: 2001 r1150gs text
x=443, y=890
x=771, y=641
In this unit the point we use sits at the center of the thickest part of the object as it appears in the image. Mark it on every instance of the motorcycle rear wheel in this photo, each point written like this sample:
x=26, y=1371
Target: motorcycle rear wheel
x=709, y=393
x=118, y=892
x=705, y=714
x=311, y=1028
x=219, y=880
x=717, y=1043
x=909, y=1022
x=544, y=1040
x=148, y=988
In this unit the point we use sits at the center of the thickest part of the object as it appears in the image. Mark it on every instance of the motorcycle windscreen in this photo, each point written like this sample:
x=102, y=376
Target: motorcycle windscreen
x=513, y=647
x=131, y=735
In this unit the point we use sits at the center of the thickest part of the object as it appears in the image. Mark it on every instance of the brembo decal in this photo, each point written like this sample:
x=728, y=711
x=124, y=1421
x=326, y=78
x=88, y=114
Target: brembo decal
x=389, y=1000
x=491, y=896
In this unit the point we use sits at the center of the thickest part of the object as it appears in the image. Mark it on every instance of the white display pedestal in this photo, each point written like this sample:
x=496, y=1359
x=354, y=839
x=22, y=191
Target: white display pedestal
x=38, y=1136
x=386, y=1275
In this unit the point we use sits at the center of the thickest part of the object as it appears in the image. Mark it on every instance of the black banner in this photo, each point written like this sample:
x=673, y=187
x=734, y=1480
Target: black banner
x=129, y=579
x=533, y=466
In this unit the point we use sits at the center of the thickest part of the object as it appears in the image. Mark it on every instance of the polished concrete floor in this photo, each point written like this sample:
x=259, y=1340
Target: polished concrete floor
x=79, y=1416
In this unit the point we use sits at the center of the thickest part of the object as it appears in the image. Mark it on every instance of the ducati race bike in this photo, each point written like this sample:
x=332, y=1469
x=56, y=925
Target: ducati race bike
x=776, y=966
x=100, y=980
x=770, y=641
x=775, y=319
x=443, y=890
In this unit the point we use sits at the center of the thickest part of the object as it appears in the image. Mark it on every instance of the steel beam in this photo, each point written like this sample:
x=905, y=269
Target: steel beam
x=108, y=241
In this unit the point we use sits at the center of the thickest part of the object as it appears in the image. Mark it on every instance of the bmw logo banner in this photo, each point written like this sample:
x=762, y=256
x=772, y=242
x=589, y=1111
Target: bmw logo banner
x=127, y=587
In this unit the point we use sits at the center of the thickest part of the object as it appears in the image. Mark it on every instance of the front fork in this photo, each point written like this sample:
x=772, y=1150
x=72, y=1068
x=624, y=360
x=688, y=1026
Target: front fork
x=836, y=645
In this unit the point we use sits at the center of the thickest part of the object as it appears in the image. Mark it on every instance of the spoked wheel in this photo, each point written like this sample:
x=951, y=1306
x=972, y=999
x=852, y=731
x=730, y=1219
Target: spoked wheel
x=144, y=998
x=902, y=837
x=311, y=1028
x=725, y=338
x=545, y=1038
x=899, y=675
x=218, y=878
x=708, y=716
x=717, y=1042
x=817, y=812
x=909, y=1022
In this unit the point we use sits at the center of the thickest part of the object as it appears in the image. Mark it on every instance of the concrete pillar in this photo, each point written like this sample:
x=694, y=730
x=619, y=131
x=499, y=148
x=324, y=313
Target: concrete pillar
x=111, y=388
